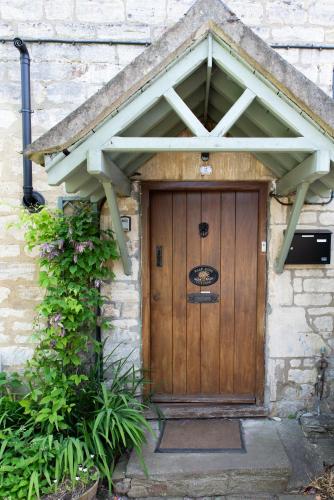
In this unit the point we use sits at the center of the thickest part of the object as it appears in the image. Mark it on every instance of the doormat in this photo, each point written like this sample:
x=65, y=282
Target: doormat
x=201, y=436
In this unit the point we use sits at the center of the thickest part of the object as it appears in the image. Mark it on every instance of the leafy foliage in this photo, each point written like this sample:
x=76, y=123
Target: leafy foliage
x=62, y=421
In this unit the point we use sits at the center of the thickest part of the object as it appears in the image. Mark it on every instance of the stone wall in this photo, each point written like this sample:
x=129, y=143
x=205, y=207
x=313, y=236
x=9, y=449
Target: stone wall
x=300, y=311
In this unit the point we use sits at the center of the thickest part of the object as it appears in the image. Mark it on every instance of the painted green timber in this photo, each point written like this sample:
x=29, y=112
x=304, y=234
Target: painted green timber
x=208, y=77
x=186, y=115
x=315, y=166
x=273, y=100
x=291, y=227
x=117, y=226
x=211, y=144
x=234, y=113
x=60, y=168
x=104, y=169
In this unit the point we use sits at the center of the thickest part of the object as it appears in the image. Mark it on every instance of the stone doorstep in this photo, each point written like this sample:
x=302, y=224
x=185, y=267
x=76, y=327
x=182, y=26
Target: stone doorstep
x=263, y=469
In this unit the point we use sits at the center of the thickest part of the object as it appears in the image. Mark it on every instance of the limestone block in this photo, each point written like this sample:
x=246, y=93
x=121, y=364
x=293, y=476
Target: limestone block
x=308, y=218
x=4, y=339
x=250, y=12
x=148, y=12
x=279, y=12
x=319, y=285
x=289, y=334
x=280, y=288
x=320, y=311
x=9, y=250
x=297, y=285
x=305, y=273
x=131, y=310
x=123, y=31
x=6, y=30
x=35, y=29
x=28, y=292
x=8, y=117
x=17, y=270
x=58, y=9
x=322, y=13
x=15, y=356
x=313, y=299
x=302, y=376
x=100, y=11
x=4, y=293
x=323, y=324
x=121, y=292
x=21, y=10
x=295, y=363
x=327, y=218
x=112, y=310
x=6, y=312
x=22, y=326
x=298, y=34
x=275, y=376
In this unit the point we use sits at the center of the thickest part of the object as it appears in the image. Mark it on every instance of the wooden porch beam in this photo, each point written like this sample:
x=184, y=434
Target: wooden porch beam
x=291, y=227
x=309, y=170
x=104, y=169
x=117, y=226
x=208, y=77
x=185, y=113
x=211, y=144
x=233, y=114
x=273, y=100
x=60, y=167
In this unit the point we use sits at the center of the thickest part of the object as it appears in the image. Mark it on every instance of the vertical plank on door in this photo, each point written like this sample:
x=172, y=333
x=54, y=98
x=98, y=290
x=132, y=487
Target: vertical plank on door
x=210, y=313
x=245, y=292
x=227, y=292
x=193, y=310
x=161, y=293
x=179, y=293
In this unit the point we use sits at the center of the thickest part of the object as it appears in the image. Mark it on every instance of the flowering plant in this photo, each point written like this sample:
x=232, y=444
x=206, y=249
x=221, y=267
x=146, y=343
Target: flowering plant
x=68, y=422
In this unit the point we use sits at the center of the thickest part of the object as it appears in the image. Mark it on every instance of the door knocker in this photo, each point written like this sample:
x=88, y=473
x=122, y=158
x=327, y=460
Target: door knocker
x=203, y=229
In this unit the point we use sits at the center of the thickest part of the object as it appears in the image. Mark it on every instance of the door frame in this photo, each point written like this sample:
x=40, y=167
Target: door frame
x=262, y=187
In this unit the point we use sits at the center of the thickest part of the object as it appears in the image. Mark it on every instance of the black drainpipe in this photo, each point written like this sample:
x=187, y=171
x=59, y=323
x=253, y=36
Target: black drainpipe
x=32, y=200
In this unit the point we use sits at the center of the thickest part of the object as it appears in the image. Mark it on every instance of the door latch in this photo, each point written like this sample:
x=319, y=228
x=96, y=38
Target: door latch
x=263, y=246
x=158, y=253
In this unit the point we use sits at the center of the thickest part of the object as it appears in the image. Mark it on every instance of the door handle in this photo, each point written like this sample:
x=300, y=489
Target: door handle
x=158, y=254
x=156, y=296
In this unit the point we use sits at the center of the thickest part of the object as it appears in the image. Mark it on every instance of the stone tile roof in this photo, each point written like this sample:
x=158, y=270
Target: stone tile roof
x=203, y=16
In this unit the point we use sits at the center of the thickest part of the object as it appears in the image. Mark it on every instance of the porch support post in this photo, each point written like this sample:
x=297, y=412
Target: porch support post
x=208, y=77
x=309, y=170
x=185, y=113
x=234, y=113
x=117, y=226
x=291, y=227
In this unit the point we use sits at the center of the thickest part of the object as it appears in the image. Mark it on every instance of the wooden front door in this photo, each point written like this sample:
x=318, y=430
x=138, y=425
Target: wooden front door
x=206, y=351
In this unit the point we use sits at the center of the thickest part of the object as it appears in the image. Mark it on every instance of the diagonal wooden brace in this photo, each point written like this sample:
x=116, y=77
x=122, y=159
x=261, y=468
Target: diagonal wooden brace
x=117, y=226
x=291, y=227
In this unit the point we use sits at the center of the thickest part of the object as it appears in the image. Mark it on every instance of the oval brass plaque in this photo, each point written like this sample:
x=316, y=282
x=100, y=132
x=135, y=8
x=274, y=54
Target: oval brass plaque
x=203, y=275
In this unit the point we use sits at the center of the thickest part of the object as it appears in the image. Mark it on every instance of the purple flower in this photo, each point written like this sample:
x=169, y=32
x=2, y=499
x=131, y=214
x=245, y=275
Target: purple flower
x=53, y=344
x=97, y=283
x=51, y=250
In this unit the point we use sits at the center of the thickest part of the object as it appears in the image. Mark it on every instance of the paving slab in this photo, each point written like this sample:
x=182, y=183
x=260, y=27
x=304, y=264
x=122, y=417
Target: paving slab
x=263, y=468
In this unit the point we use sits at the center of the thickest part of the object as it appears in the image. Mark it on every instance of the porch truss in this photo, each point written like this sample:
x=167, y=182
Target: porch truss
x=209, y=83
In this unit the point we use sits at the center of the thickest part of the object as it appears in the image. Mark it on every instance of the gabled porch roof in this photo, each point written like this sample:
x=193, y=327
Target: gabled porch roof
x=217, y=79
